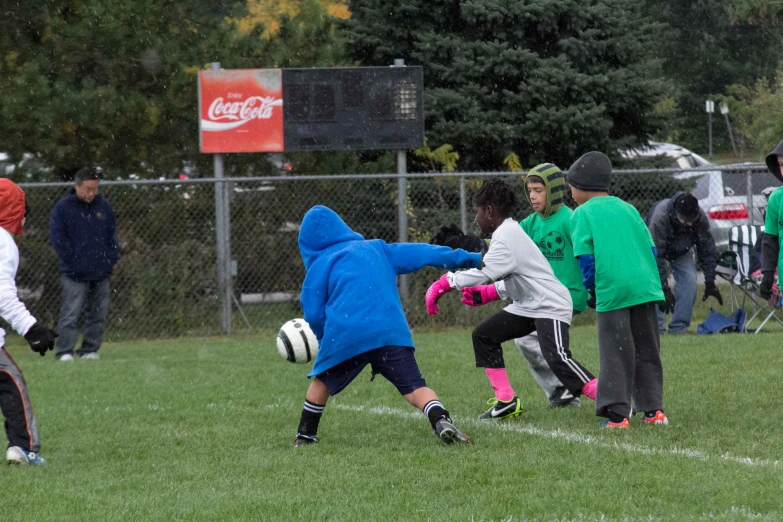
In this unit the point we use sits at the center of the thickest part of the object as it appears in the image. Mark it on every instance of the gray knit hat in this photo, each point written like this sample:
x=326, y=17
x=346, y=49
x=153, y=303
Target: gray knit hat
x=591, y=172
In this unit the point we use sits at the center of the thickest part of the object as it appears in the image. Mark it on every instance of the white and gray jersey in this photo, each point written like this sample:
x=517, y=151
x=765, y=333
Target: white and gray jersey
x=521, y=273
x=11, y=309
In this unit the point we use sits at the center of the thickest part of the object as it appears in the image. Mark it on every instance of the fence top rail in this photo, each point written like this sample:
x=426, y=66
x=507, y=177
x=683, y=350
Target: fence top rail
x=741, y=167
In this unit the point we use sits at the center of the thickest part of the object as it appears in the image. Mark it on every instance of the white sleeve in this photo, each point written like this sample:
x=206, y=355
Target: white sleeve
x=500, y=286
x=11, y=308
x=498, y=263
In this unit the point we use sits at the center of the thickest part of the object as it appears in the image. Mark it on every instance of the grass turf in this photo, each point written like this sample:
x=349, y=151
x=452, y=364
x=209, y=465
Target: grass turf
x=201, y=429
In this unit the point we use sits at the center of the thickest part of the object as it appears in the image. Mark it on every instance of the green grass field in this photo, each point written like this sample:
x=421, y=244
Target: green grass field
x=201, y=429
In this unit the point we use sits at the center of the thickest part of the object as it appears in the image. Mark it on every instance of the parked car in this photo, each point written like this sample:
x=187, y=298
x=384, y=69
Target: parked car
x=722, y=194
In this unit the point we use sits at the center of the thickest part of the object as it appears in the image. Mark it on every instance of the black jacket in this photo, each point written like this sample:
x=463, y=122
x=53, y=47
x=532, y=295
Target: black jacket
x=673, y=239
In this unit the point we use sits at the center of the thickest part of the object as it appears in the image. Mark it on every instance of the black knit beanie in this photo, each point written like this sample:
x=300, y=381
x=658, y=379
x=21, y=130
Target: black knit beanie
x=591, y=172
x=687, y=207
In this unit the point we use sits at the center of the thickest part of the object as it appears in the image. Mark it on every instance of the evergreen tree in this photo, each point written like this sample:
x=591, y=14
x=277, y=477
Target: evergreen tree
x=547, y=79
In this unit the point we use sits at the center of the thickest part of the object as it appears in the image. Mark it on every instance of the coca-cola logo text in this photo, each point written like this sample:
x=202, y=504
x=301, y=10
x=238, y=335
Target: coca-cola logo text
x=255, y=107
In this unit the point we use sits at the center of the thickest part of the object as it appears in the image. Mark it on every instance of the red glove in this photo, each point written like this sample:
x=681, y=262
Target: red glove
x=479, y=295
x=435, y=291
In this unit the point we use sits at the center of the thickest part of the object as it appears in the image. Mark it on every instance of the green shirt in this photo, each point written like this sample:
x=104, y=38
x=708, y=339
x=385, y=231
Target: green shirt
x=625, y=271
x=552, y=235
x=773, y=223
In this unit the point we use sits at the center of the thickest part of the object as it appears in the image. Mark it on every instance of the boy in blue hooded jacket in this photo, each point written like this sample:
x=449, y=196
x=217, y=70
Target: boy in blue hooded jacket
x=351, y=303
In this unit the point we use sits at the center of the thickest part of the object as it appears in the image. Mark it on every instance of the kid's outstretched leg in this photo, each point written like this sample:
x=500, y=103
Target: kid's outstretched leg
x=315, y=402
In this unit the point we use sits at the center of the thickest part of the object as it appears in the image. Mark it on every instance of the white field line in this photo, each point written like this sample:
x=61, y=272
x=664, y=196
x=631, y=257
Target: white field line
x=575, y=438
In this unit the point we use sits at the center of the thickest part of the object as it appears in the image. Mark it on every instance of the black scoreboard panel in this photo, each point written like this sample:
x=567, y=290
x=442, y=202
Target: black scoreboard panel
x=353, y=108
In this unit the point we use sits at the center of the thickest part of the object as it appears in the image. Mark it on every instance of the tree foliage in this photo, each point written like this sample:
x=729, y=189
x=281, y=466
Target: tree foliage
x=549, y=79
x=114, y=83
x=704, y=50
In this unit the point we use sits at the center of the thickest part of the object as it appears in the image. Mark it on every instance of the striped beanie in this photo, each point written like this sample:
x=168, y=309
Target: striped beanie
x=555, y=183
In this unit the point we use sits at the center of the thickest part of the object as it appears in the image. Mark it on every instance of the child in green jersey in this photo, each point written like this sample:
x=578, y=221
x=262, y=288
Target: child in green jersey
x=771, y=253
x=617, y=257
x=550, y=229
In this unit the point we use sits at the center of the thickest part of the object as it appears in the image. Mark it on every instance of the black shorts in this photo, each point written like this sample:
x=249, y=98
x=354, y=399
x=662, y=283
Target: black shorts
x=396, y=363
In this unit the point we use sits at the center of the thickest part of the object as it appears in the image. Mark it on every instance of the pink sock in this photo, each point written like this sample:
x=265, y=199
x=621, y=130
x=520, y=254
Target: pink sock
x=499, y=380
x=590, y=389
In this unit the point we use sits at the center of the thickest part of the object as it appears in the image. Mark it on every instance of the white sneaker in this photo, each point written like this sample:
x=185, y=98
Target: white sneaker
x=66, y=357
x=90, y=355
x=16, y=455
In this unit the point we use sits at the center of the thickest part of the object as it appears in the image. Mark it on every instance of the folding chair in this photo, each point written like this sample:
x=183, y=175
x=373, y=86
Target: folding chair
x=741, y=241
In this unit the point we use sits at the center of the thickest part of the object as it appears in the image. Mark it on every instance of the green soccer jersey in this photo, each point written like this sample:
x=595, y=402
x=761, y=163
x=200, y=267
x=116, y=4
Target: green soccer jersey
x=773, y=223
x=625, y=271
x=552, y=235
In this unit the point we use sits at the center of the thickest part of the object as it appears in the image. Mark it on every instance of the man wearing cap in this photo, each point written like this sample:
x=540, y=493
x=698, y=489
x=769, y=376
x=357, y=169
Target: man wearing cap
x=677, y=225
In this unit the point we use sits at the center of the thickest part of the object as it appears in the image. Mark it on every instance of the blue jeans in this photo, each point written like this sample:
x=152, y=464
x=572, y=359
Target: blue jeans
x=684, y=271
x=78, y=295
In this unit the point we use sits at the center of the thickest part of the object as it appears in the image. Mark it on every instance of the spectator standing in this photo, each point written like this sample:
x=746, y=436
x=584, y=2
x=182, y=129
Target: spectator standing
x=82, y=230
x=677, y=225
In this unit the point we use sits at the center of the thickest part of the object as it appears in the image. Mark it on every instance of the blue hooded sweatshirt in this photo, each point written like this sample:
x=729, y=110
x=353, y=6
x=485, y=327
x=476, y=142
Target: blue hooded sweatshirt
x=349, y=295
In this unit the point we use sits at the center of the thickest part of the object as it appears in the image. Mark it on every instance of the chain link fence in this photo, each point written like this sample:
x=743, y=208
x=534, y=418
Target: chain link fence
x=166, y=283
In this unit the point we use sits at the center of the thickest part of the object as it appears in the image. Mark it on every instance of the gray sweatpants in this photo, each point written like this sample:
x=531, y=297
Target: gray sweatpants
x=630, y=361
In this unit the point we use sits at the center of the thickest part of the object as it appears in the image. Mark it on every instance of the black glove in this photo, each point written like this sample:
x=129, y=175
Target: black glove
x=591, y=300
x=765, y=288
x=667, y=306
x=453, y=237
x=40, y=338
x=710, y=290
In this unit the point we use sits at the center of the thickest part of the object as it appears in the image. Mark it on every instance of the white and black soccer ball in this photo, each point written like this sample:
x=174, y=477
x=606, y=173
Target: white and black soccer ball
x=296, y=342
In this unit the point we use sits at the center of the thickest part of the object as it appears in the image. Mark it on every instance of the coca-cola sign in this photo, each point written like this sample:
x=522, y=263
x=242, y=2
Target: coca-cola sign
x=241, y=110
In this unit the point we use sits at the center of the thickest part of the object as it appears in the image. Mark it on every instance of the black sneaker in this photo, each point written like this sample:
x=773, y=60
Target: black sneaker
x=502, y=410
x=304, y=440
x=448, y=432
x=561, y=398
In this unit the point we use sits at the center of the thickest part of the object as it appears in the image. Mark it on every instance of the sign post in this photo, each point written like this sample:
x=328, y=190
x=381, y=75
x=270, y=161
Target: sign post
x=710, y=110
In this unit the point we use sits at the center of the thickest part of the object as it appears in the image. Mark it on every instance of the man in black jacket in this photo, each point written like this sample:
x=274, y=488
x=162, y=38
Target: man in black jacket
x=677, y=225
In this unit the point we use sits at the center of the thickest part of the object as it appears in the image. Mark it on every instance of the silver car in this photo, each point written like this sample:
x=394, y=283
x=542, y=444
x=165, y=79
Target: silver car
x=722, y=194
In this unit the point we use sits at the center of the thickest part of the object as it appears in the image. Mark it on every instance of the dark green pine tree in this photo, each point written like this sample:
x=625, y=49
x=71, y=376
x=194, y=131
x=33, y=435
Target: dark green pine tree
x=547, y=79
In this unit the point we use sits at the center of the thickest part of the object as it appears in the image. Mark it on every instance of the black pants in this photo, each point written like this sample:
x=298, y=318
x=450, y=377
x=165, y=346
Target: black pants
x=630, y=361
x=552, y=336
x=20, y=426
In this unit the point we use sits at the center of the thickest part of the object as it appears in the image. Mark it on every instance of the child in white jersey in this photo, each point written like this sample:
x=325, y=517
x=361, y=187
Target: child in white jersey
x=520, y=272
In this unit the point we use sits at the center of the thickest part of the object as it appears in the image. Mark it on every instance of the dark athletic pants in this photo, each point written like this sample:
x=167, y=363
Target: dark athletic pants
x=629, y=361
x=20, y=426
x=552, y=336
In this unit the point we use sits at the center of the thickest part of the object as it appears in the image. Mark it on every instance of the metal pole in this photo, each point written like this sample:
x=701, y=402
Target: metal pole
x=220, y=238
x=709, y=131
x=463, y=206
x=731, y=134
x=229, y=264
x=402, y=200
x=749, y=185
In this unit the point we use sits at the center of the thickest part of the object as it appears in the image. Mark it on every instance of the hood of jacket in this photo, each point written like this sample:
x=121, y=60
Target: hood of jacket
x=12, y=206
x=321, y=229
x=555, y=183
x=772, y=161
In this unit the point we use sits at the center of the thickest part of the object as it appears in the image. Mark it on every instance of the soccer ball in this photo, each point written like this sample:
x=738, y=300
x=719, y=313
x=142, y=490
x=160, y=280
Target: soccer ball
x=555, y=242
x=296, y=342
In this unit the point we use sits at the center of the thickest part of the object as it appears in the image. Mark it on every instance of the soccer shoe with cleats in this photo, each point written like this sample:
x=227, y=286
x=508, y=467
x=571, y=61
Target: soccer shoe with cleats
x=448, y=432
x=502, y=410
x=304, y=440
x=658, y=418
x=621, y=425
x=561, y=398
x=18, y=456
